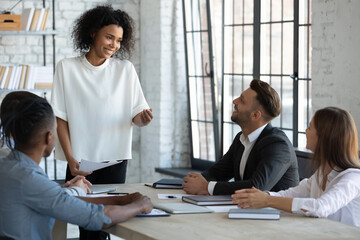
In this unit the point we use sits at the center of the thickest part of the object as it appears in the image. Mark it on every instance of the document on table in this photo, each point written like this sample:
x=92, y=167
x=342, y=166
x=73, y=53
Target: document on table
x=88, y=166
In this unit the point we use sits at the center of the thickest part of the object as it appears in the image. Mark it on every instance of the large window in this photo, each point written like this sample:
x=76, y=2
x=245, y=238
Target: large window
x=267, y=39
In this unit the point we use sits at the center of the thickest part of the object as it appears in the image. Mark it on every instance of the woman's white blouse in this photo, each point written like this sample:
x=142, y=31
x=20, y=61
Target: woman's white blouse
x=99, y=103
x=340, y=201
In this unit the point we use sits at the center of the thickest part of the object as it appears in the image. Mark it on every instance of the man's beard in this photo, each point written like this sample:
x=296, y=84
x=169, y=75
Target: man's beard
x=241, y=119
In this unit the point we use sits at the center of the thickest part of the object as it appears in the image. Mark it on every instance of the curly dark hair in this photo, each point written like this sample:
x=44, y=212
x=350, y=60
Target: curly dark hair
x=91, y=21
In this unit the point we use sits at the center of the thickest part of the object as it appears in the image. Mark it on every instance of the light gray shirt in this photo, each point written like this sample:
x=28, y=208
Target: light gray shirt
x=29, y=202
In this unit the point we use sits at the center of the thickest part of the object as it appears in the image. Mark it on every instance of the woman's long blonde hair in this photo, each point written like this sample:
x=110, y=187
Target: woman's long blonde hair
x=337, y=143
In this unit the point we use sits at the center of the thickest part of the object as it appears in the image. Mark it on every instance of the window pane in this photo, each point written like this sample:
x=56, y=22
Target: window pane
x=304, y=58
x=265, y=49
x=248, y=49
x=238, y=11
x=238, y=50
x=276, y=43
x=288, y=48
x=288, y=6
x=265, y=10
x=304, y=10
x=200, y=99
x=249, y=11
x=230, y=131
x=198, y=53
x=229, y=49
x=287, y=103
x=229, y=12
x=301, y=140
x=196, y=17
x=304, y=111
x=276, y=10
x=203, y=140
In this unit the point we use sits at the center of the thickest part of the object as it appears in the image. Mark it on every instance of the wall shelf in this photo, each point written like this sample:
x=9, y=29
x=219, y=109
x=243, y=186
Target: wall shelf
x=29, y=33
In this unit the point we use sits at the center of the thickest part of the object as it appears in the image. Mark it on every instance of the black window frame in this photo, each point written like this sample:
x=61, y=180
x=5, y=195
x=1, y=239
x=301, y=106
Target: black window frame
x=218, y=108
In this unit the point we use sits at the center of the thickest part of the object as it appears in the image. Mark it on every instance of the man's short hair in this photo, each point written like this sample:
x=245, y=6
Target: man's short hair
x=268, y=99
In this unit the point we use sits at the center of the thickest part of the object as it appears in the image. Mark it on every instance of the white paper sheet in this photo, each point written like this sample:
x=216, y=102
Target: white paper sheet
x=88, y=166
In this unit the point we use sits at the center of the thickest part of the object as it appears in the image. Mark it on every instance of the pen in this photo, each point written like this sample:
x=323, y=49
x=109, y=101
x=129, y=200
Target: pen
x=170, y=196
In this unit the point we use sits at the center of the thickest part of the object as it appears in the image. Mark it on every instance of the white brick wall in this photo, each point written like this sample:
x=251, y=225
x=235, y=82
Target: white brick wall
x=335, y=55
x=158, y=59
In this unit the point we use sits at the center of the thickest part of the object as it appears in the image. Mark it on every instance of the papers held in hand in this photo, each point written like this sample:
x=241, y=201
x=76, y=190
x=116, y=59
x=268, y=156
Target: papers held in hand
x=168, y=183
x=263, y=213
x=205, y=200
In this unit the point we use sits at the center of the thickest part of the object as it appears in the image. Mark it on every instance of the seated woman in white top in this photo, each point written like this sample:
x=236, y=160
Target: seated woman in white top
x=334, y=189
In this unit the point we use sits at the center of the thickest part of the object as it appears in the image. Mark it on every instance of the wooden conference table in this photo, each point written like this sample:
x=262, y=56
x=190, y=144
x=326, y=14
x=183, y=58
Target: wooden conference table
x=218, y=226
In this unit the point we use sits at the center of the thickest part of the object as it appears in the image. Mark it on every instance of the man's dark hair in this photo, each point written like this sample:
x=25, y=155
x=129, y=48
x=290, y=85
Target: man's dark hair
x=268, y=99
x=29, y=117
x=8, y=106
x=91, y=21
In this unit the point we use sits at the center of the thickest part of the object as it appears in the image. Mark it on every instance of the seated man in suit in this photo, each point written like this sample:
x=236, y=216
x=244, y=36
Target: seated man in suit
x=260, y=156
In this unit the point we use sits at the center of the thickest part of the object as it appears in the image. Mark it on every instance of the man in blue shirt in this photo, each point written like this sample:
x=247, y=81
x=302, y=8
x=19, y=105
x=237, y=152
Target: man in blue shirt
x=29, y=201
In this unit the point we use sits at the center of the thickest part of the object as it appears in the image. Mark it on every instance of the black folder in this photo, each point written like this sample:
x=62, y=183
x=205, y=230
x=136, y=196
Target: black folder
x=168, y=183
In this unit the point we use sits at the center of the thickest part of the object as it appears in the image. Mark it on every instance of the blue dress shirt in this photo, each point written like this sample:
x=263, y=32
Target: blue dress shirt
x=29, y=202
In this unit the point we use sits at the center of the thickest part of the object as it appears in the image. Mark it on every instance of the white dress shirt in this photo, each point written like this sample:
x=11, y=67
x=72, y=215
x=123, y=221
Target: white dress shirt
x=340, y=201
x=248, y=143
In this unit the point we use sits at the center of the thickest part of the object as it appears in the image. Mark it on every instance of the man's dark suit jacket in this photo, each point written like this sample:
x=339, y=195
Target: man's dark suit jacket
x=271, y=165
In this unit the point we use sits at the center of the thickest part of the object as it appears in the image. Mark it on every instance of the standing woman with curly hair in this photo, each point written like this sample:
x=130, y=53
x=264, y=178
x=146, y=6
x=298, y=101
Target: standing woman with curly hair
x=97, y=96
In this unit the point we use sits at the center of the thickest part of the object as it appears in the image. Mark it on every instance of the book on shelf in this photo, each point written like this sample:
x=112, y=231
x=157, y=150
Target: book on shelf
x=166, y=183
x=263, y=213
x=40, y=20
x=5, y=74
x=22, y=77
x=8, y=77
x=2, y=70
x=36, y=19
x=206, y=200
x=26, y=18
x=46, y=16
x=26, y=77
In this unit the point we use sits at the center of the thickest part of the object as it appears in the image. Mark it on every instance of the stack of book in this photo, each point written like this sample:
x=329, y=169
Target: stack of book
x=263, y=213
x=34, y=19
x=26, y=77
